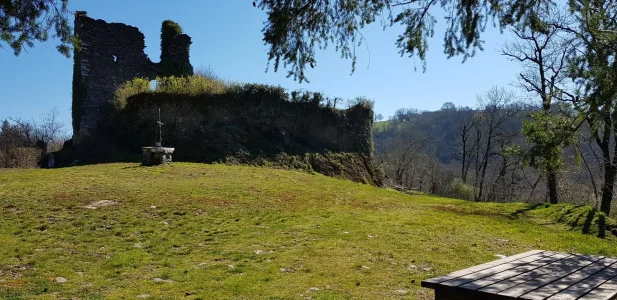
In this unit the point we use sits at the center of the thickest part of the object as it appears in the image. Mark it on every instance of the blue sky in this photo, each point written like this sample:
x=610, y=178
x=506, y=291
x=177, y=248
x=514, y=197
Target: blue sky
x=227, y=37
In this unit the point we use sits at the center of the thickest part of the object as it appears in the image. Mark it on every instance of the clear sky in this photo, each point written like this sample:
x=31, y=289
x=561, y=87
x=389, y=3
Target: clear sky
x=227, y=37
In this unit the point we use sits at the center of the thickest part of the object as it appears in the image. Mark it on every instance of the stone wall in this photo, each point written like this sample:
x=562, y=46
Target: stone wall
x=248, y=123
x=110, y=54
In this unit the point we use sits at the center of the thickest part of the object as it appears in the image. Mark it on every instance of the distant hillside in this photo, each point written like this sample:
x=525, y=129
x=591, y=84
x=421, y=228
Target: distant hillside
x=460, y=151
x=440, y=128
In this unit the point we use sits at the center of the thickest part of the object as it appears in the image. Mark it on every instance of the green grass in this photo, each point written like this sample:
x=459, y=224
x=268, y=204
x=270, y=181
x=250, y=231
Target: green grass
x=387, y=125
x=221, y=232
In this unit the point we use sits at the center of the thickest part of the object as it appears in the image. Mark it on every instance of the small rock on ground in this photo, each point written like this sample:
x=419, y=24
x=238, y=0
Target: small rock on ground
x=161, y=280
x=143, y=296
x=60, y=280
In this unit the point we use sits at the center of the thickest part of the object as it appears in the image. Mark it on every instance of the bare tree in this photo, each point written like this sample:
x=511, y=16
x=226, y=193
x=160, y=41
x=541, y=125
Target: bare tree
x=44, y=134
x=207, y=72
x=496, y=108
x=50, y=130
x=465, y=143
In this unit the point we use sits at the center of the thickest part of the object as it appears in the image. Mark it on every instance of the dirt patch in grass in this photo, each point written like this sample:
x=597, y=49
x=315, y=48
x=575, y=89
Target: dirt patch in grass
x=99, y=204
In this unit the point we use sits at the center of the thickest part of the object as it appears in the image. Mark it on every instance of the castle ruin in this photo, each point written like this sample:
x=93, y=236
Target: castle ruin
x=109, y=55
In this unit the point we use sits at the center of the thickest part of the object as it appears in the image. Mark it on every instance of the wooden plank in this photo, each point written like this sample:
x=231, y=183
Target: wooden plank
x=492, y=279
x=606, y=291
x=432, y=283
x=516, y=280
x=550, y=273
x=496, y=269
x=563, y=283
x=585, y=286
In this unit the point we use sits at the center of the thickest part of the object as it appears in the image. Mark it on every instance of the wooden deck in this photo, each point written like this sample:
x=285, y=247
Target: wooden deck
x=535, y=274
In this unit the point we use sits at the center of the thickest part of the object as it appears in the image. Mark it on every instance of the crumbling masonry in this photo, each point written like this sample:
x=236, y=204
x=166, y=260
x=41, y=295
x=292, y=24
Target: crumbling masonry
x=109, y=55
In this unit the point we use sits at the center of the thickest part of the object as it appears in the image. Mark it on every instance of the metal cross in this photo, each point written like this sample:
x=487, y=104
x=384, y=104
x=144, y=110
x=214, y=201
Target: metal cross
x=159, y=135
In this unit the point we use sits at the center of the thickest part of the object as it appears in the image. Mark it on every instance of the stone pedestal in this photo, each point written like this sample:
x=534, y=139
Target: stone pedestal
x=153, y=156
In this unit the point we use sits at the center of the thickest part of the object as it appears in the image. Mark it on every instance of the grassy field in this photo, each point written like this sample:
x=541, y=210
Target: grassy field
x=198, y=231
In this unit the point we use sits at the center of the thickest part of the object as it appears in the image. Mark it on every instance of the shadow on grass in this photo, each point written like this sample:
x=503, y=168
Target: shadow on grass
x=520, y=212
x=583, y=219
x=588, y=220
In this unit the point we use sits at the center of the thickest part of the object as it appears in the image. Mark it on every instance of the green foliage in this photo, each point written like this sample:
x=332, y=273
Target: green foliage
x=295, y=29
x=192, y=85
x=171, y=65
x=128, y=89
x=169, y=30
x=350, y=166
x=460, y=190
x=547, y=134
x=24, y=22
x=582, y=218
x=594, y=70
x=363, y=102
x=307, y=97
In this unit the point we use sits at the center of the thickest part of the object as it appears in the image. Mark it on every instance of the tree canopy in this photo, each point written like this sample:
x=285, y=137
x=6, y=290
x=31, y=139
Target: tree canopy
x=22, y=22
x=296, y=28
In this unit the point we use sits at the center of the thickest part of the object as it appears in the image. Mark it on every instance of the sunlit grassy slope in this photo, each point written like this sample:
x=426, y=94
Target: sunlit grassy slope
x=218, y=232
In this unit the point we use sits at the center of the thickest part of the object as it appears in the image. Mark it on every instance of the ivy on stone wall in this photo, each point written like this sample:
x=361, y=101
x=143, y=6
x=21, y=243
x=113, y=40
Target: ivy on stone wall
x=78, y=92
x=169, y=31
x=174, y=51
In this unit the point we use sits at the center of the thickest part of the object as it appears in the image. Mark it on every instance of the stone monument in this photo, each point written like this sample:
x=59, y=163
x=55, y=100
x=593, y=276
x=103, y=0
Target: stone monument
x=157, y=155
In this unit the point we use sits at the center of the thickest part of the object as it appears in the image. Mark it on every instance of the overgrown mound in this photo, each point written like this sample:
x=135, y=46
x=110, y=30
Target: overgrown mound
x=352, y=166
x=582, y=218
x=209, y=121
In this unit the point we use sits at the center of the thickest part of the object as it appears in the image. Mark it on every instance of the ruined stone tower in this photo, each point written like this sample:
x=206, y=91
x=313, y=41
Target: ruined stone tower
x=110, y=54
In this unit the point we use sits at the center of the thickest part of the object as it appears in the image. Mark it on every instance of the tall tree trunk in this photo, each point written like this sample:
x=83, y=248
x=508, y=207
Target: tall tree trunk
x=484, y=165
x=464, y=160
x=551, y=182
x=608, y=187
x=610, y=173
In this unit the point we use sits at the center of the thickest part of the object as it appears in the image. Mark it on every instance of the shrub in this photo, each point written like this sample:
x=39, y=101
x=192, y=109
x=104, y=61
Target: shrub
x=459, y=190
x=361, y=102
x=22, y=157
x=169, y=30
x=192, y=85
x=128, y=89
x=170, y=65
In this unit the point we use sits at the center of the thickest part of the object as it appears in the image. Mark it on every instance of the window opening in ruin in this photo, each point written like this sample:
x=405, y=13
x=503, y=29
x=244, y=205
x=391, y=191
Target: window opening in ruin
x=152, y=85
